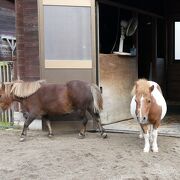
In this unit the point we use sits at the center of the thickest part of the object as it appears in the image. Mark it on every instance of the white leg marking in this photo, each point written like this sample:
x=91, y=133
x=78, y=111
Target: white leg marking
x=154, y=143
x=141, y=133
x=151, y=134
x=147, y=145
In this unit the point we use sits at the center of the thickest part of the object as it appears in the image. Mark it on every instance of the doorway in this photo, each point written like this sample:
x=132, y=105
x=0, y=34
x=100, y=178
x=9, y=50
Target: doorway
x=117, y=72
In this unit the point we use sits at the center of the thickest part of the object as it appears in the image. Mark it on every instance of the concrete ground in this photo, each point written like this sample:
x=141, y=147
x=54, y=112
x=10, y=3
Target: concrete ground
x=119, y=157
x=170, y=126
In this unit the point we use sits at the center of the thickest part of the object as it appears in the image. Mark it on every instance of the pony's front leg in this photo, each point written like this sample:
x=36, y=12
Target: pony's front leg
x=147, y=145
x=154, y=142
x=97, y=118
x=140, y=133
x=103, y=134
x=151, y=133
x=146, y=138
x=27, y=122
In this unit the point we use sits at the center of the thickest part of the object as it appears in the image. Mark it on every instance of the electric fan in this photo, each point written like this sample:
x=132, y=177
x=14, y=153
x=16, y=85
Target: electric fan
x=127, y=29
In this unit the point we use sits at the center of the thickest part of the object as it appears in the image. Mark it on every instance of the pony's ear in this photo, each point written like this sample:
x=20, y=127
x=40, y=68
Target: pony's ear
x=151, y=88
x=136, y=84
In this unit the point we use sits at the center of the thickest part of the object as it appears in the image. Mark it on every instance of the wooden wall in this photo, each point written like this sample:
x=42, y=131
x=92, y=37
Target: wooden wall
x=7, y=27
x=117, y=76
x=27, y=40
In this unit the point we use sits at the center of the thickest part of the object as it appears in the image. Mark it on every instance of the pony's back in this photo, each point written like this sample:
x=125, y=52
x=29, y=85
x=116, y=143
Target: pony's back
x=85, y=95
x=79, y=92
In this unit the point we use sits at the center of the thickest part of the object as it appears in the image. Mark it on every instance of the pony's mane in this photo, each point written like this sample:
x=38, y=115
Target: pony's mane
x=23, y=89
x=141, y=87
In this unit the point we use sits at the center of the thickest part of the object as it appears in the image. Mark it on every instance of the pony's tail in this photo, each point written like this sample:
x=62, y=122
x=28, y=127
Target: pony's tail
x=97, y=104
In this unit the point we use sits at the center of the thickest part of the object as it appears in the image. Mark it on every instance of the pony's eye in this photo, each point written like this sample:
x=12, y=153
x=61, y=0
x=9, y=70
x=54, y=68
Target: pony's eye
x=149, y=101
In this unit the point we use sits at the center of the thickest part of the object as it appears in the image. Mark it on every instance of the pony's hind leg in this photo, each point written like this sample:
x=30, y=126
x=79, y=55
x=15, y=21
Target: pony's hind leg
x=97, y=118
x=48, y=124
x=84, y=123
x=27, y=122
x=154, y=136
x=151, y=133
x=154, y=142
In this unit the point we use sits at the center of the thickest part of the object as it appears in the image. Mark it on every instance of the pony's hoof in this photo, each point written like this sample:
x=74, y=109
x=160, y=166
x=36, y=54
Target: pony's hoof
x=22, y=139
x=50, y=135
x=140, y=136
x=155, y=149
x=146, y=150
x=104, y=135
x=81, y=136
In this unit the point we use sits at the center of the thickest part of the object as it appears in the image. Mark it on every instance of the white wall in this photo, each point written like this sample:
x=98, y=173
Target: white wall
x=177, y=40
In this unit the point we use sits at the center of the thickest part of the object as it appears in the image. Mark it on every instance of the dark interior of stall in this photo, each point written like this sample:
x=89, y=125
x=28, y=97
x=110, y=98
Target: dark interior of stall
x=149, y=42
x=117, y=69
x=109, y=28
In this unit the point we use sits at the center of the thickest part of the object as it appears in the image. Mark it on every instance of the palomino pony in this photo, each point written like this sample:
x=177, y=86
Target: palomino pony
x=41, y=100
x=148, y=107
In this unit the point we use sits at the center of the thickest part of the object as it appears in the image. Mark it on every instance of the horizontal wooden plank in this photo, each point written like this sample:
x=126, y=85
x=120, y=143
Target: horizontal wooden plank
x=68, y=64
x=67, y=2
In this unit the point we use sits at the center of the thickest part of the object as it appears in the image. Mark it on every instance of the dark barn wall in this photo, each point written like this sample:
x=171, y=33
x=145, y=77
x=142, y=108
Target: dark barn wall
x=27, y=40
x=108, y=28
x=112, y=12
x=173, y=68
x=7, y=27
x=172, y=7
x=152, y=6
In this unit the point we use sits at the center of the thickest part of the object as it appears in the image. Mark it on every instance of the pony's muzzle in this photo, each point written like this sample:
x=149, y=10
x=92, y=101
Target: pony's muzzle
x=143, y=119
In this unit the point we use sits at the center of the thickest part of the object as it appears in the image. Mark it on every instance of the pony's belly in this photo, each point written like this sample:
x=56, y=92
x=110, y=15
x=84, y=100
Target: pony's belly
x=164, y=110
x=159, y=99
x=60, y=111
x=161, y=102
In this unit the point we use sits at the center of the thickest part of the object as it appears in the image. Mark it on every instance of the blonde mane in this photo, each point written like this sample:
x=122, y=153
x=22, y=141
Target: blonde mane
x=23, y=89
x=141, y=87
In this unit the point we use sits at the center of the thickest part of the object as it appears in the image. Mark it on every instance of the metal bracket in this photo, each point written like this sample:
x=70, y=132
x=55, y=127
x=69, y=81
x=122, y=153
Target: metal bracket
x=11, y=41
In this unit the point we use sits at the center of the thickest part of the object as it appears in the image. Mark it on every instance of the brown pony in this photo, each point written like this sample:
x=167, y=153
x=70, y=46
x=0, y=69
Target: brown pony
x=41, y=100
x=148, y=107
